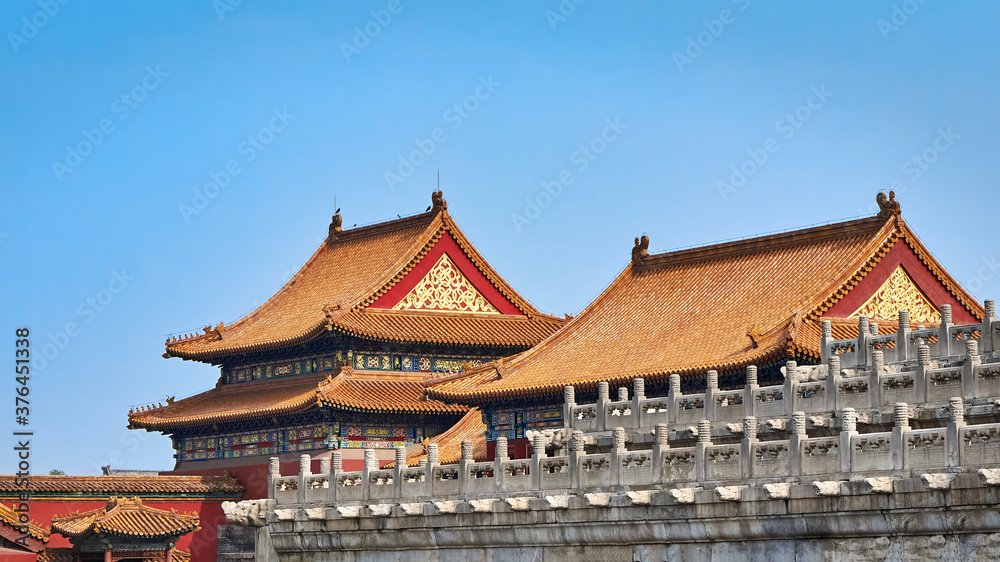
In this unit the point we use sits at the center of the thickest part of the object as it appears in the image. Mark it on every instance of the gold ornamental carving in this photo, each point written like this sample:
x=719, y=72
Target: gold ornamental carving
x=445, y=288
x=899, y=292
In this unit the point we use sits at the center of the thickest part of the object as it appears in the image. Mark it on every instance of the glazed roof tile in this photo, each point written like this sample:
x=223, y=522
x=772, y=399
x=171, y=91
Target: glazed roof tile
x=691, y=310
x=469, y=428
x=371, y=391
x=343, y=277
x=10, y=517
x=190, y=486
x=126, y=517
x=69, y=555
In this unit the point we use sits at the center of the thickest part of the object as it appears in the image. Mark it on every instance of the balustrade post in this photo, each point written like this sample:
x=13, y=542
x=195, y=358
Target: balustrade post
x=617, y=450
x=662, y=433
x=273, y=473
x=796, y=441
x=305, y=470
x=432, y=463
x=832, y=376
x=464, y=474
x=397, y=477
x=749, y=404
x=903, y=336
x=371, y=464
x=921, y=382
x=788, y=389
x=704, y=441
x=499, y=458
x=826, y=338
x=569, y=401
x=989, y=336
x=638, y=395
x=972, y=360
x=336, y=468
x=901, y=415
x=746, y=446
x=537, y=454
x=673, y=397
x=953, y=442
x=861, y=351
x=875, y=379
x=711, y=389
x=603, y=397
x=944, y=341
x=575, y=458
x=848, y=428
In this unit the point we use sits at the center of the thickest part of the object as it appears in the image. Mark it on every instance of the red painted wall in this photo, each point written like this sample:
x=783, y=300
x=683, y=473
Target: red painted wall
x=202, y=543
x=901, y=254
x=464, y=264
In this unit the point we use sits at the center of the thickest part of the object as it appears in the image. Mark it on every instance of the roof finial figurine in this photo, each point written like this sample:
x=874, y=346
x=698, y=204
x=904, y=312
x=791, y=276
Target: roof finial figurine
x=641, y=249
x=336, y=223
x=437, y=201
x=887, y=206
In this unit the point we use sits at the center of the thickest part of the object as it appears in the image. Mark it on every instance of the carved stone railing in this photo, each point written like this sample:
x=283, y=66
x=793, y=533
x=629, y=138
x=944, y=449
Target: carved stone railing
x=955, y=447
x=924, y=368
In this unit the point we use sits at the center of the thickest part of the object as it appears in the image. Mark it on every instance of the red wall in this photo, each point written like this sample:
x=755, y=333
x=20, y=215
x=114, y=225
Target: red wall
x=202, y=543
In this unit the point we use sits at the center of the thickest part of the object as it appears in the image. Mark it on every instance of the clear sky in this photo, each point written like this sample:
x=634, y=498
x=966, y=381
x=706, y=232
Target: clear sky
x=166, y=165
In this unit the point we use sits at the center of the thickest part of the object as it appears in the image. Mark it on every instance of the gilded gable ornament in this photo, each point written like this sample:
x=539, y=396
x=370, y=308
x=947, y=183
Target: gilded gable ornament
x=899, y=292
x=445, y=288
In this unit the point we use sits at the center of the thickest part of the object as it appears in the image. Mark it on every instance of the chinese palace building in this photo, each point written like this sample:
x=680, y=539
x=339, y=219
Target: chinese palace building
x=759, y=301
x=338, y=358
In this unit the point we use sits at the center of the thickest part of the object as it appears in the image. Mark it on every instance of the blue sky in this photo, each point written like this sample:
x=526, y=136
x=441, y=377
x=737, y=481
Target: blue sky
x=636, y=116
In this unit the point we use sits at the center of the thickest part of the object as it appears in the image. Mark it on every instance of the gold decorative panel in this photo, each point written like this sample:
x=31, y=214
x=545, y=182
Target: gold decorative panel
x=899, y=292
x=445, y=288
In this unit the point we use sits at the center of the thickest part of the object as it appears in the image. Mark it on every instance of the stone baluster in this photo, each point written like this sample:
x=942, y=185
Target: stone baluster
x=662, y=443
x=273, y=472
x=832, y=376
x=464, y=473
x=953, y=443
x=537, y=454
x=371, y=464
x=749, y=404
x=704, y=441
x=397, y=477
x=569, y=401
x=901, y=415
x=576, y=457
x=920, y=380
x=324, y=466
x=336, y=467
x=874, y=379
x=791, y=381
x=861, y=352
x=711, y=389
x=848, y=428
x=796, y=441
x=305, y=471
x=618, y=437
x=501, y=456
x=673, y=397
x=903, y=336
x=623, y=394
x=826, y=338
x=990, y=338
x=603, y=397
x=944, y=340
x=638, y=395
x=746, y=446
x=972, y=360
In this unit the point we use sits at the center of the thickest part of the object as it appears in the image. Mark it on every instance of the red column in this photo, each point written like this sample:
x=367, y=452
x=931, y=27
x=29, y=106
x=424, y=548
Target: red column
x=107, y=556
x=169, y=555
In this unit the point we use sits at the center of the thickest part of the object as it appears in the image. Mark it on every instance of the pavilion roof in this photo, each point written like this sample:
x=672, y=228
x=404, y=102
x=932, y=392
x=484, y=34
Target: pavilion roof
x=341, y=288
x=718, y=307
x=9, y=517
x=469, y=428
x=126, y=517
x=369, y=391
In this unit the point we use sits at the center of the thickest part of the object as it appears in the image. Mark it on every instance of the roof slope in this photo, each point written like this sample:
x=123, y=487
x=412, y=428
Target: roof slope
x=376, y=391
x=187, y=486
x=693, y=310
x=349, y=272
x=126, y=517
x=11, y=518
x=469, y=428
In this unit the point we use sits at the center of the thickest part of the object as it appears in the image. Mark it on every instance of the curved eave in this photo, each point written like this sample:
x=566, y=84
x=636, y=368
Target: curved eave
x=446, y=410
x=226, y=417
